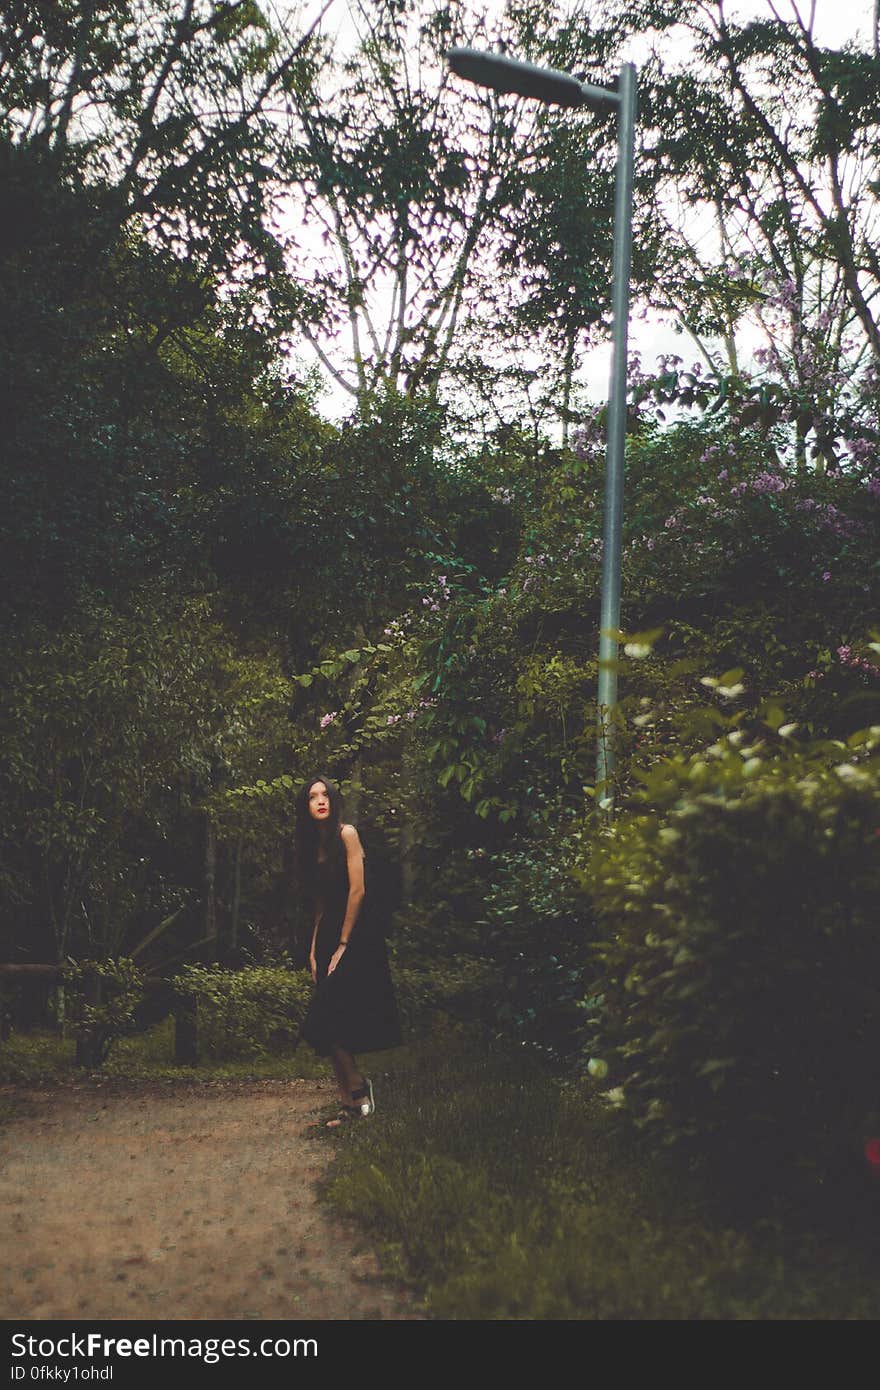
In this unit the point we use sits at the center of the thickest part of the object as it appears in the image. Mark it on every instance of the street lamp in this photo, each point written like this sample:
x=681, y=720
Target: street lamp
x=563, y=89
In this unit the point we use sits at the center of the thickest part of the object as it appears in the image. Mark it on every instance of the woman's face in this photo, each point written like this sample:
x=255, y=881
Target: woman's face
x=319, y=801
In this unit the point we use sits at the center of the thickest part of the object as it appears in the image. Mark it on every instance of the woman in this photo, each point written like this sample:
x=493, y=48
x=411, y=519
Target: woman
x=354, y=1008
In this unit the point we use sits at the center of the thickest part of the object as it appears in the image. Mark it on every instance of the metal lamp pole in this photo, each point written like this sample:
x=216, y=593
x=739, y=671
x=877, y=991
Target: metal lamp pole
x=562, y=88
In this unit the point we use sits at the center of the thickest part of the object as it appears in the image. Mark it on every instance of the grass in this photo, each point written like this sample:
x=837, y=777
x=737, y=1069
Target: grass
x=499, y=1192
x=43, y=1058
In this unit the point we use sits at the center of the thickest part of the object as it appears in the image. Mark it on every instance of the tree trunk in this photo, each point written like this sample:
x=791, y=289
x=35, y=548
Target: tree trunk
x=566, y=389
x=236, y=898
x=209, y=881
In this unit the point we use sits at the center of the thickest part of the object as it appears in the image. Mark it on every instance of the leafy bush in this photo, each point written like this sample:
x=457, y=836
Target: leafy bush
x=740, y=1007
x=432, y=996
x=102, y=996
x=538, y=927
x=242, y=1013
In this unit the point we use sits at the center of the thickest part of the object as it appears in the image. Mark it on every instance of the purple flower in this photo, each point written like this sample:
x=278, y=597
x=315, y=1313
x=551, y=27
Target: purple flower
x=328, y=718
x=768, y=482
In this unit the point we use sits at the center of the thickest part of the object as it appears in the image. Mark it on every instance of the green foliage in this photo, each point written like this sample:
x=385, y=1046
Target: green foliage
x=101, y=997
x=28, y=1059
x=537, y=929
x=438, y=993
x=501, y=1193
x=243, y=1013
x=739, y=1003
x=41, y=1058
x=115, y=730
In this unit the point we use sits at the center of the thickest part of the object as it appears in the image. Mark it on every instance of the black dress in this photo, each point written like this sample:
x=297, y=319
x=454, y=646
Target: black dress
x=355, y=1007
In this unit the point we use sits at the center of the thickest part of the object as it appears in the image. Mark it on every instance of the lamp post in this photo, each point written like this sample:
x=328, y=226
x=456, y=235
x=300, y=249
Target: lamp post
x=503, y=74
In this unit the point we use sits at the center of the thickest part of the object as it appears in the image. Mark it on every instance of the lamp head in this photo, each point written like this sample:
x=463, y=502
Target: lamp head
x=503, y=74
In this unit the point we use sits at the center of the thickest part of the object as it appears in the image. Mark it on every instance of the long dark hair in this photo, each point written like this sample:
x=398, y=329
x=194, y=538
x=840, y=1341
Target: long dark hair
x=307, y=833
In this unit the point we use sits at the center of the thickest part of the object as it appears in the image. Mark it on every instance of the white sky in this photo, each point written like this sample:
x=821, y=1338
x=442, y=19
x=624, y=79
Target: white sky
x=836, y=22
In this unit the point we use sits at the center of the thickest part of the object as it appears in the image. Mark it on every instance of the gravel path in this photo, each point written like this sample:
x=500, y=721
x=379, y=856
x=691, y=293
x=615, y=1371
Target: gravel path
x=178, y=1200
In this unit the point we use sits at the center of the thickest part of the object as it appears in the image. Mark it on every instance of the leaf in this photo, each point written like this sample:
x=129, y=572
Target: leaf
x=731, y=677
x=715, y=1064
x=774, y=717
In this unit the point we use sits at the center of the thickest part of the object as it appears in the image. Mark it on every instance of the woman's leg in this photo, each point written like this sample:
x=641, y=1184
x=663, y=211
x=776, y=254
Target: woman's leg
x=349, y=1080
x=341, y=1076
x=347, y=1074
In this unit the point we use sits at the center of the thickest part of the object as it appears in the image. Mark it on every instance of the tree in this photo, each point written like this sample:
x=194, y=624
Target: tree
x=433, y=198
x=163, y=102
x=762, y=146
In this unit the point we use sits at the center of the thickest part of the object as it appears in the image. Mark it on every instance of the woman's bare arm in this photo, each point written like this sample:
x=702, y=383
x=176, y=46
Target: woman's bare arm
x=354, y=852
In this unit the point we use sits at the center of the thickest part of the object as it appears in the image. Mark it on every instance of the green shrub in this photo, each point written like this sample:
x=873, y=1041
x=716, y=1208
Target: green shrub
x=243, y=1013
x=102, y=996
x=740, y=1004
x=443, y=991
x=538, y=927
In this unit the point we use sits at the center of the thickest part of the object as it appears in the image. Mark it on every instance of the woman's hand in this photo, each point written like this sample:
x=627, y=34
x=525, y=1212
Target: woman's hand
x=313, y=966
x=335, y=959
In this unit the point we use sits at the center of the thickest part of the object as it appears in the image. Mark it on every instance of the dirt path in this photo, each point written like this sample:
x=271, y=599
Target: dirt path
x=177, y=1200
